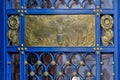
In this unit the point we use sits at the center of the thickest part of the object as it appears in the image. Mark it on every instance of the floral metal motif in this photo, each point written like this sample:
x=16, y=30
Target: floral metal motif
x=13, y=22
x=13, y=32
x=107, y=24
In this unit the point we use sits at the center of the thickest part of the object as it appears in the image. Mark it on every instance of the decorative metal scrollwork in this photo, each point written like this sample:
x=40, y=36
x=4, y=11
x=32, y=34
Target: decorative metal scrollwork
x=60, y=66
x=64, y=4
x=13, y=22
x=107, y=24
x=13, y=36
x=13, y=33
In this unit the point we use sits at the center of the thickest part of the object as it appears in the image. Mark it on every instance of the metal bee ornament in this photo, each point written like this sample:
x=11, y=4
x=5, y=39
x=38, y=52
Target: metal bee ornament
x=107, y=24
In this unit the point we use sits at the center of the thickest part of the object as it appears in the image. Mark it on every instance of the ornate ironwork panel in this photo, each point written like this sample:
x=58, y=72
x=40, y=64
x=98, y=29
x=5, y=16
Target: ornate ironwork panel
x=60, y=66
x=61, y=4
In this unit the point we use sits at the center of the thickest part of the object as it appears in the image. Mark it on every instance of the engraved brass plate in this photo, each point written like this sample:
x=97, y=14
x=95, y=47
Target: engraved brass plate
x=60, y=30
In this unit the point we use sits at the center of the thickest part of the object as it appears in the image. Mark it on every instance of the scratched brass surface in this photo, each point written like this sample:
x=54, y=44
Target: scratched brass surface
x=76, y=30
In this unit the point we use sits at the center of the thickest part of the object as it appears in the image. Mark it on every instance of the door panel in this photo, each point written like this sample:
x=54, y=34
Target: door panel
x=61, y=39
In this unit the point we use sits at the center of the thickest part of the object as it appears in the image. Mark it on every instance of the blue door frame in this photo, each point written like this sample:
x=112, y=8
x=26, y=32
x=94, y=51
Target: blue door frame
x=6, y=69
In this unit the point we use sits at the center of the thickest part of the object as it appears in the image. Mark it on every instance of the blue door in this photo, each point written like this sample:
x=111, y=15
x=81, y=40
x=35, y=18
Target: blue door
x=61, y=40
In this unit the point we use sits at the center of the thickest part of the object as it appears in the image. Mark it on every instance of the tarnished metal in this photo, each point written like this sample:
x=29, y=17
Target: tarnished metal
x=13, y=36
x=107, y=24
x=107, y=38
x=13, y=22
x=60, y=30
x=13, y=32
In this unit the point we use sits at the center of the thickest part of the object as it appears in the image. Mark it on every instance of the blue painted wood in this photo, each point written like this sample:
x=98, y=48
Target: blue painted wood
x=118, y=40
x=2, y=41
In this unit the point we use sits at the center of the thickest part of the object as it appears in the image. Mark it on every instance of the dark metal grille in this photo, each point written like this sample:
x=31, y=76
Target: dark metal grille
x=60, y=66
